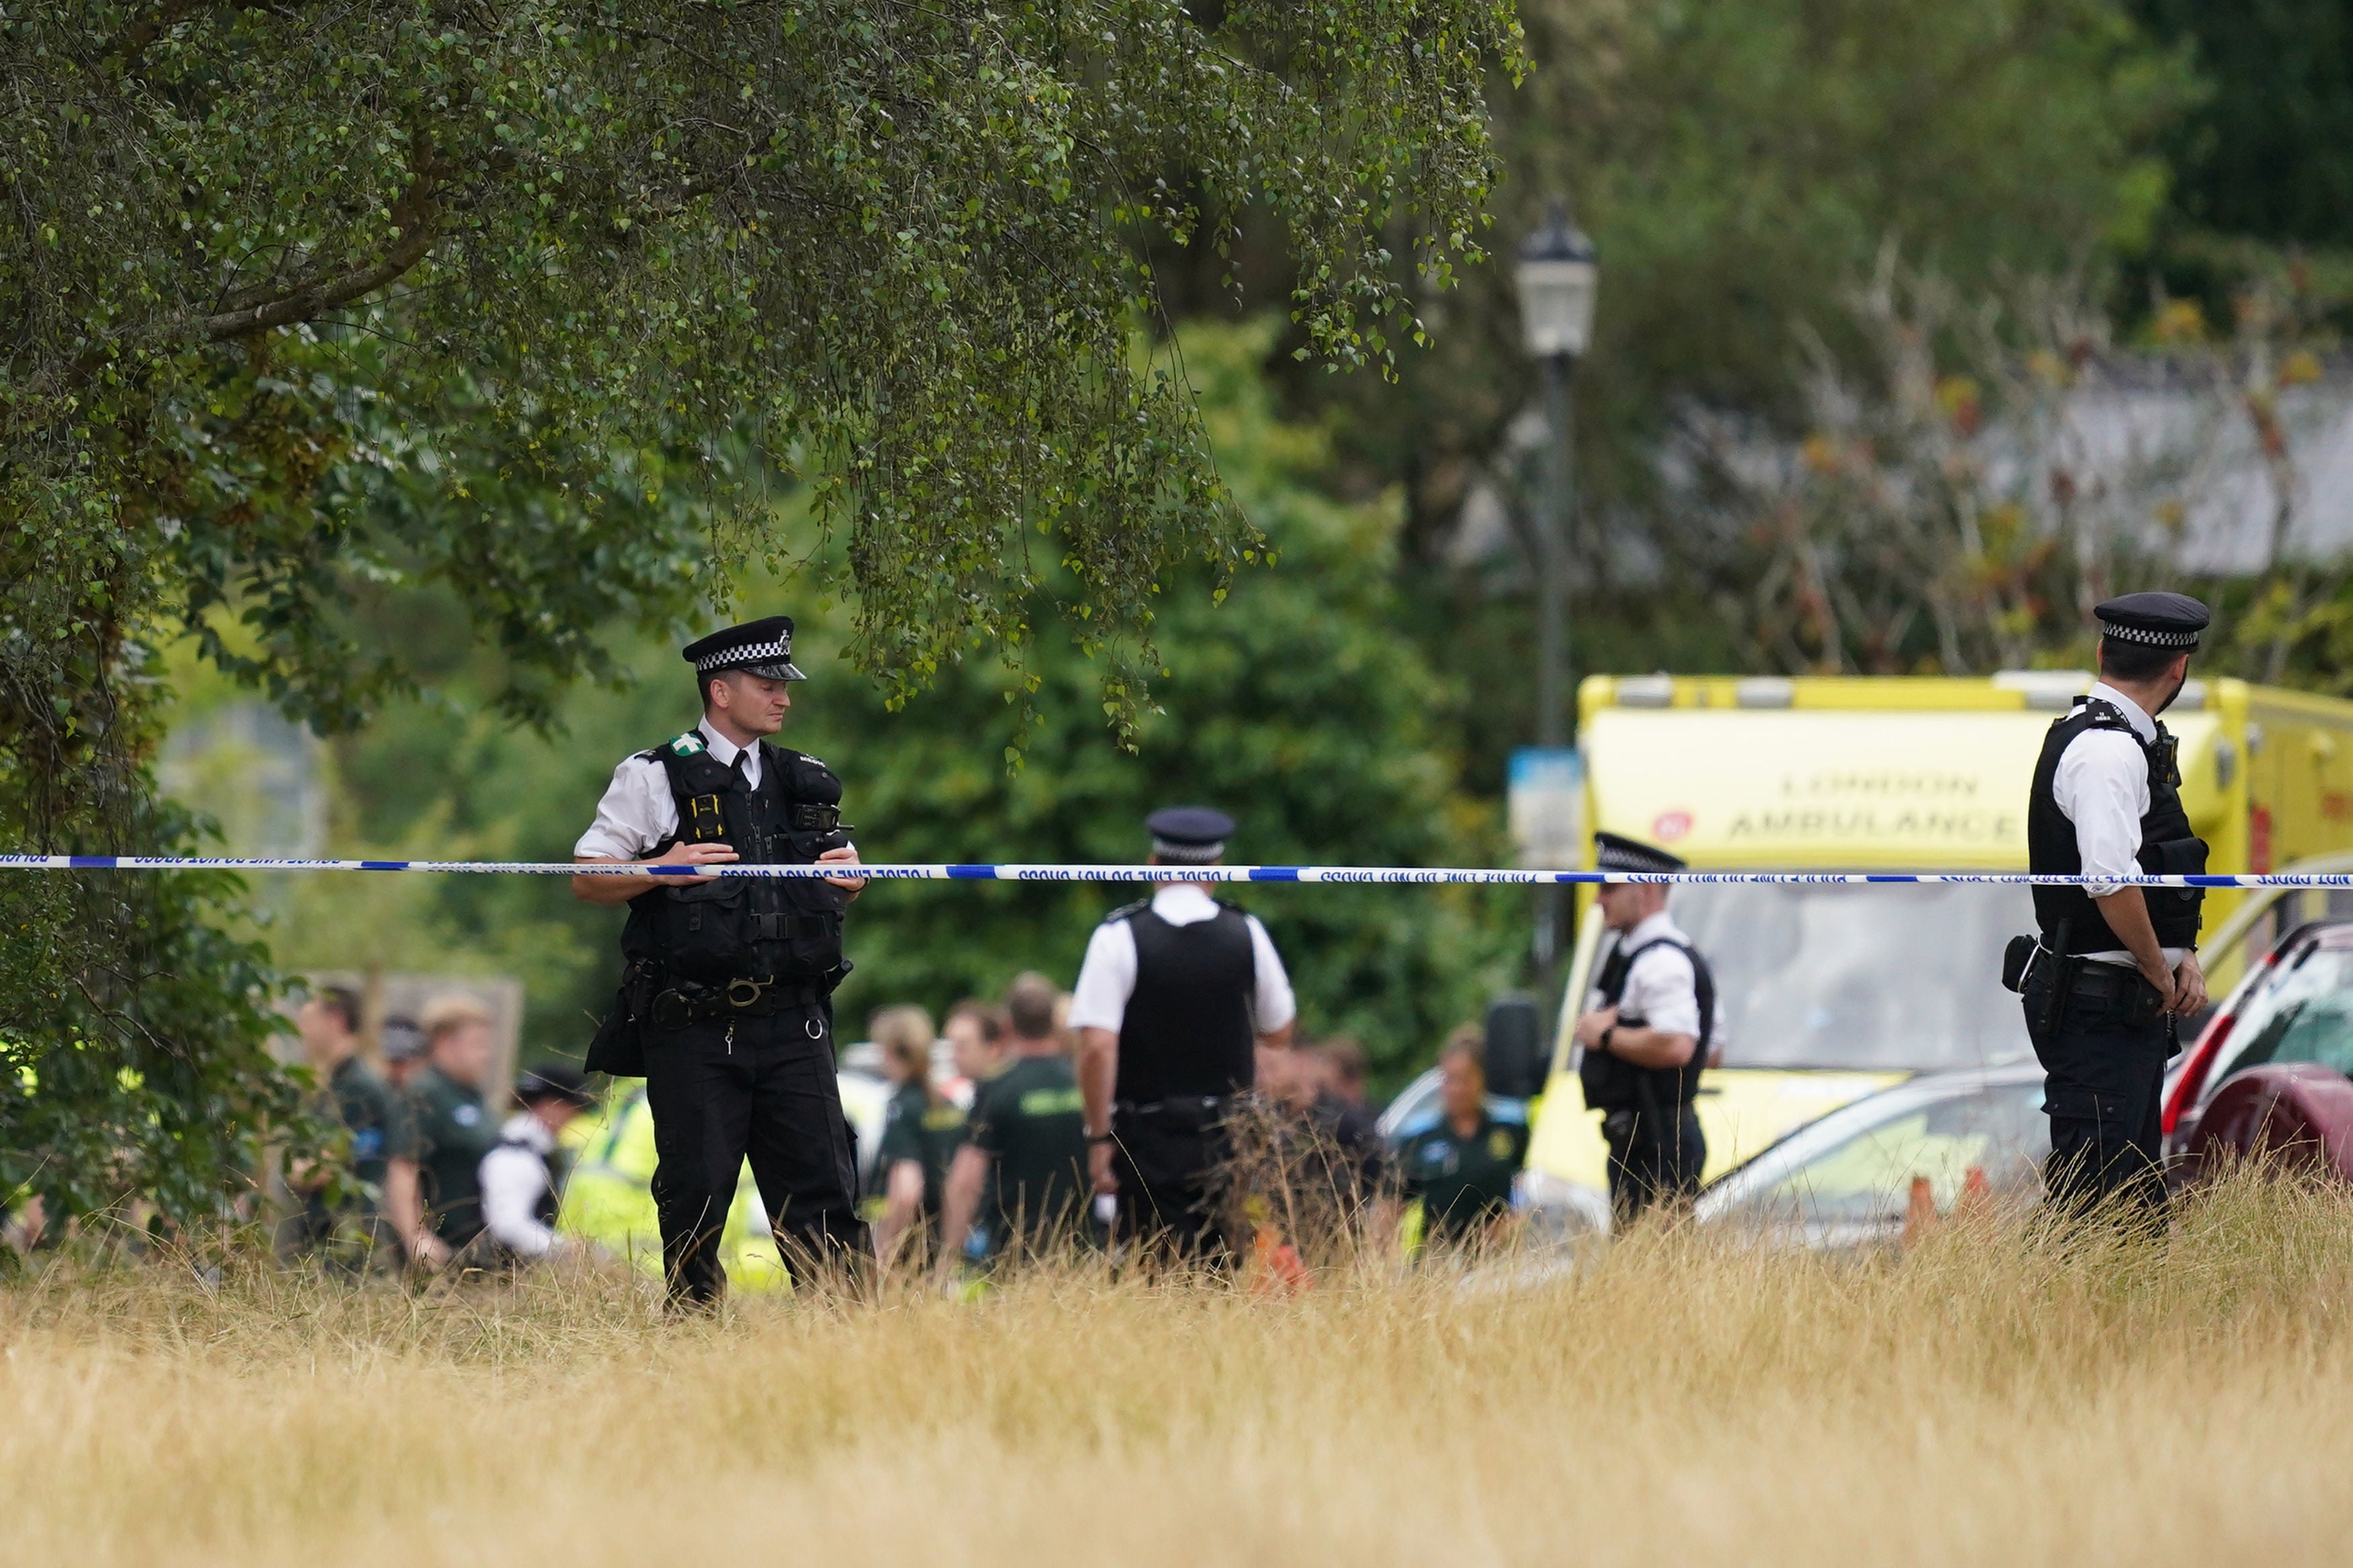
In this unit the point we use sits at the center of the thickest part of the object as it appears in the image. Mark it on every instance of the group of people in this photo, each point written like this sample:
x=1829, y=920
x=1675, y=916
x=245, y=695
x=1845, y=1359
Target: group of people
x=987, y=1159
x=731, y=855
x=426, y=1175
x=1112, y=1112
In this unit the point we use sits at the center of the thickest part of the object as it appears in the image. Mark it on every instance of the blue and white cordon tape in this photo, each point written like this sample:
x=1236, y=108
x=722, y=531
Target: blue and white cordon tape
x=1404, y=876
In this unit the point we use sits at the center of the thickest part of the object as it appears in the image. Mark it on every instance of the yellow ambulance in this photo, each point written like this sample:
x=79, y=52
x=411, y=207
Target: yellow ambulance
x=1829, y=993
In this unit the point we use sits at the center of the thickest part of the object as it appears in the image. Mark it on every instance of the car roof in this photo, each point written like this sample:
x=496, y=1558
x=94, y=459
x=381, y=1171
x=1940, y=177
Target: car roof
x=2001, y=1076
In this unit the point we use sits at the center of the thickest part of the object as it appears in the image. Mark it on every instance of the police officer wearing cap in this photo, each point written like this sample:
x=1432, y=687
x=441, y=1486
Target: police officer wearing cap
x=1174, y=998
x=725, y=1008
x=1646, y=1035
x=521, y=1184
x=2114, y=966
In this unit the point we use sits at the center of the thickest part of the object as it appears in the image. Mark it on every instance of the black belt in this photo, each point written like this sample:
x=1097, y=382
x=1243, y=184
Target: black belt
x=685, y=1002
x=2100, y=982
x=2090, y=980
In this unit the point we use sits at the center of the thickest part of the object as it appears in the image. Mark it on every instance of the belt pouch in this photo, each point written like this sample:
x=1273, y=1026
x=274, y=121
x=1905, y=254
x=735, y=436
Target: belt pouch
x=2017, y=959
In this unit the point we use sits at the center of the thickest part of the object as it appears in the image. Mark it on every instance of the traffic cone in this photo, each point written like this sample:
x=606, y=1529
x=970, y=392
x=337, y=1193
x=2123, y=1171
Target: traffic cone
x=1976, y=1193
x=1275, y=1267
x=1920, y=1213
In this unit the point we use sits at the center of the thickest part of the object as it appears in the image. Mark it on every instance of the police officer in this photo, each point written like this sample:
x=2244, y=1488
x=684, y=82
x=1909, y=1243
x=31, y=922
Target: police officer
x=518, y=1176
x=1174, y=997
x=2114, y=966
x=726, y=1005
x=1646, y=1032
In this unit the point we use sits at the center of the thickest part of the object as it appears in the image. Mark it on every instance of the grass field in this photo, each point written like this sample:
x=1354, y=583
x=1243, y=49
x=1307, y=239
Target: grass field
x=1994, y=1397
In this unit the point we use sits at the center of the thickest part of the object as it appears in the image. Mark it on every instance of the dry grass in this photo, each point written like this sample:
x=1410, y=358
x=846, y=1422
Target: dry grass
x=1996, y=1396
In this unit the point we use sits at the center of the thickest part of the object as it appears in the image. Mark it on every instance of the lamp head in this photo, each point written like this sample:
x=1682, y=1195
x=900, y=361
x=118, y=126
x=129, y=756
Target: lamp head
x=1559, y=276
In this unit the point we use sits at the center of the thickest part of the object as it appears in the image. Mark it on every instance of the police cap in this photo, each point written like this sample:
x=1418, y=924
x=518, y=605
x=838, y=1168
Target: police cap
x=1616, y=852
x=764, y=646
x=553, y=1081
x=401, y=1040
x=1189, y=835
x=2153, y=620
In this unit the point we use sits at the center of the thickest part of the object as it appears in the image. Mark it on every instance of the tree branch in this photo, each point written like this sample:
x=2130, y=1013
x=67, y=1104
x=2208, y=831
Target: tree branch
x=134, y=40
x=413, y=215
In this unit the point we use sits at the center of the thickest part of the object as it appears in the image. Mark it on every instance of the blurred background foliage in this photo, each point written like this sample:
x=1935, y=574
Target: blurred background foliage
x=1300, y=703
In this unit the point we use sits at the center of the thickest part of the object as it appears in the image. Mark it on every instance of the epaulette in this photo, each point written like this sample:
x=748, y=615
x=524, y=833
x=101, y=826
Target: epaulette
x=2103, y=714
x=1125, y=910
x=690, y=744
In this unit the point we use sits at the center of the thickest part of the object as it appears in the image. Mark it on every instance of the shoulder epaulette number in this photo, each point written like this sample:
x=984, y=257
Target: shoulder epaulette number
x=688, y=745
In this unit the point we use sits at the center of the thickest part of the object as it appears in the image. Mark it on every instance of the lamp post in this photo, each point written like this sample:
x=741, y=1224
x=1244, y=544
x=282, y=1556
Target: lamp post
x=1559, y=276
x=1560, y=273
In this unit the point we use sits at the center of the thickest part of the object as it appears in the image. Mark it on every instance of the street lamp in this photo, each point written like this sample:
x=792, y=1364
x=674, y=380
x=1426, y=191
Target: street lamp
x=1560, y=275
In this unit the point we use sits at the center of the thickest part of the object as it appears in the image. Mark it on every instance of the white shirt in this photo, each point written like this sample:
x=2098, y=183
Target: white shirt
x=1662, y=988
x=639, y=811
x=2102, y=787
x=1107, y=978
x=513, y=1181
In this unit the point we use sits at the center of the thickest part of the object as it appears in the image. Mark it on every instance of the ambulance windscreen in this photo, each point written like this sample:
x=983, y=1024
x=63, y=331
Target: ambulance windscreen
x=1884, y=977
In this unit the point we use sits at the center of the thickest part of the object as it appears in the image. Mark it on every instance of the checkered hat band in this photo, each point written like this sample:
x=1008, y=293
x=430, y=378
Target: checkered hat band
x=2153, y=639
x=773, y=652
x=1633, y=865
x=1188, y=854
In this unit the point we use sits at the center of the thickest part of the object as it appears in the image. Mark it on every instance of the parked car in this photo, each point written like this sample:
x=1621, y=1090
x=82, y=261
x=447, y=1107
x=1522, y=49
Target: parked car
x=2271, y=1068
x=1845, y=1180
x=2300, y=1112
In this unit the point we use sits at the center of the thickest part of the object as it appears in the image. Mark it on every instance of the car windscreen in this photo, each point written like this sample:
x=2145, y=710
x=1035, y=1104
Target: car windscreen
x=1995, y=1134
x=2305, y=1012
x=1882, y=976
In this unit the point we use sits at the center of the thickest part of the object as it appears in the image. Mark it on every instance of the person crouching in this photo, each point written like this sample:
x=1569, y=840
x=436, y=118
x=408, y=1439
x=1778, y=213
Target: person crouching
x=517, y=1175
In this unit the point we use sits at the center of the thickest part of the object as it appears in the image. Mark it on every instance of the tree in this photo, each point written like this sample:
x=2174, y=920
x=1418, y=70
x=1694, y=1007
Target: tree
x=1740, y=167
x=1297, y=703
x=2263, y=155
x=255, y=259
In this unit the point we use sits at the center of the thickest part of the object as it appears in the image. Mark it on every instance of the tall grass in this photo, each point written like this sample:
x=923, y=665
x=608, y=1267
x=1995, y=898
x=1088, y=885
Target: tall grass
x=1996, y=1394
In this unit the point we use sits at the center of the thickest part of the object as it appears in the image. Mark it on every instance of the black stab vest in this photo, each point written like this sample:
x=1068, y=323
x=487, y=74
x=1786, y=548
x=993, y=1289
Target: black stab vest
x=1613, y=1083
x=2166, y=843
x=720, y=929
x=1187, y=1029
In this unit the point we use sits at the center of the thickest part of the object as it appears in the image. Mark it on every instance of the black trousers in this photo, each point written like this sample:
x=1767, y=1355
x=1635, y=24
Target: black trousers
x=1168, y=1161
x=2103, y=1081
x=1653, y=1158
x=764, y=1089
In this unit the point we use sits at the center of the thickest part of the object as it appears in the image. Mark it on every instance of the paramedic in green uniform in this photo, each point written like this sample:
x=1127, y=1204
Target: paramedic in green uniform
x=1026, y=1142
x=921, y=1130
x=1460, y=1165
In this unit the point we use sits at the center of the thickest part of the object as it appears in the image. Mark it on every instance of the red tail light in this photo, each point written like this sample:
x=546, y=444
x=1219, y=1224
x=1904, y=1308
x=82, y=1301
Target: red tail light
x=2202, y=1059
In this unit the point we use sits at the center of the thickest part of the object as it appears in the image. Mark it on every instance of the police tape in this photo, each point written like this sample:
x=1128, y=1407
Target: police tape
x=1395, y=875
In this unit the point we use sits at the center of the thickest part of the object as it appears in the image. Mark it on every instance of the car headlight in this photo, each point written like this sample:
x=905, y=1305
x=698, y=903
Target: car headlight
x=1559, y=1209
